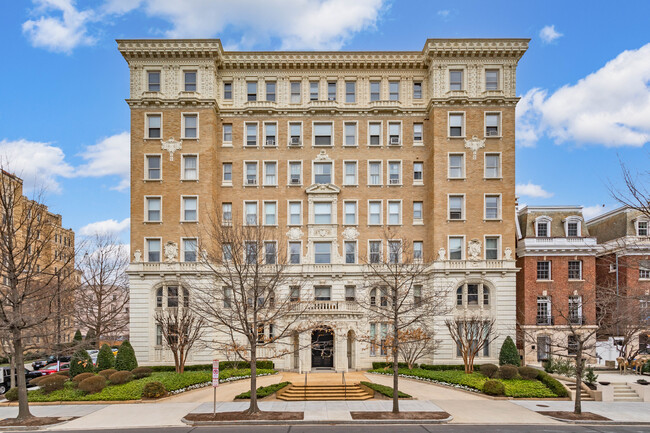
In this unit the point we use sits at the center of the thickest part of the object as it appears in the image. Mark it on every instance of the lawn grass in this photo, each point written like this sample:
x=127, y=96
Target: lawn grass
x=385, y=390
x=263, y=391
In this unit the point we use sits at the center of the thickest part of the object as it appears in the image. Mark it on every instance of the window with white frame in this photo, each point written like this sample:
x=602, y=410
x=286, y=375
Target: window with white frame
x=394, y=251
x=227, y=132
x=322, y=134
x=295, y=213
x=374, y=173
x=227, y=90
x=270, y=173
x=456, y=165
x=456, y=207
x=374, y=133
x=544, y=310
x=350, y=293
x=322, y=252
x=190, y=206
x=227, y=173
x=417, y=90
x=226, y=252
x=575, y=269
x=313, y=90
x=295, y=134
x=154, y=126
x=270, y=134
x=492, y=207
x=350, y=252
x=492, y=165
x=350, y=91
x=251, y=172
x=418, y=250
x=190, y=125
x=154, y=168
x=542, y=228
x=375, y=92
x=190, y=167
x=270, y=253
x=250, y=209
x=331, y=90
x=456, y=121
x=491, y=79
x=572, y=227
x=270, y=91
x=350, y=213
x=418, y=172
x=492, y=124
x=575, y=310
x=394, y=133
x=417, y=212
x=394, y=212
x=350, y=173
x=226, y=213
x=418, y=132
x=189, y=249
x=350, y=134
x=190, y=81
x=394, y=173
x=374, y=212
x=153, y=249
x=294, y=253
x=250, y=251
x=295, y=92
x=154, y=211
x=456, y=79
x=393, y=90
x=270, y=213
x=374, y=251
x=322, y=172
x=323, y=212
x=544, y=270
x=644, y=270
x=456, y=247
x=642, y=228
x=251, y=134
x=295, y=168
x=491, y=247
x=251, y=91
x=153, y=81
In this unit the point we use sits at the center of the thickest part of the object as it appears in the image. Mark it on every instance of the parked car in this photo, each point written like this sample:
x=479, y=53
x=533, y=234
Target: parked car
x=37, y=365
x=54, y=368
x=5, y=378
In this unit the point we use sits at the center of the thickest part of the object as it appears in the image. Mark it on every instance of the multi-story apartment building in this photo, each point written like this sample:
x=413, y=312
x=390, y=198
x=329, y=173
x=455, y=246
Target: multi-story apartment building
x=556, y=284
x=332, y=148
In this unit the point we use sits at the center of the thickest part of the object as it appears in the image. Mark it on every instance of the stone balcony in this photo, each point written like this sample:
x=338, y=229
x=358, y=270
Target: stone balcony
x=327, y=307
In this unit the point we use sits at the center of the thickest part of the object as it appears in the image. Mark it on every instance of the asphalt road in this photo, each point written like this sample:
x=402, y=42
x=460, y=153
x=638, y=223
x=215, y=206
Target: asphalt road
x=388, y=429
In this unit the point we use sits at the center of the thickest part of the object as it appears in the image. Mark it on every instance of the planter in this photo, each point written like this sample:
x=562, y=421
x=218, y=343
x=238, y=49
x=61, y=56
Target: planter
x=642, y=382
x=604, y=383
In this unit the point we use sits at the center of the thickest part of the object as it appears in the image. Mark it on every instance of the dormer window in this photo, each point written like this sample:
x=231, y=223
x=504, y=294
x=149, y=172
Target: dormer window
x=642, y=228
x=572, y=226
x=543, y=227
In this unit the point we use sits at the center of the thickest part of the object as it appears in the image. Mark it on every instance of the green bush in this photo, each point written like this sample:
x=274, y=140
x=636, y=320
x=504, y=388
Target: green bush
x=62, y=373
x=509, y=355
x=153, y=390
x=494, y=387
x=508, y=372
x=263, y=391
x=528, y=373
x=590, y=376
x=378, y=365
x=385, y=390
x=12, y=394
x=105, y=358
x=125, y=360
x=52, y=383
x=78, y=338
x=548, y=366
x=553, y=384
x=81, y=377
x=93, y=385
x=81, y=363
x=444, y=367
x=489, y=370
x=141, y=372
x=121, y=377
x=227, y=365
x=108, y=373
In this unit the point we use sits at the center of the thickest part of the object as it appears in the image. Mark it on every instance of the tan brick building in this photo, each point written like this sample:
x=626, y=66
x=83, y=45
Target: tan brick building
x=330, y=147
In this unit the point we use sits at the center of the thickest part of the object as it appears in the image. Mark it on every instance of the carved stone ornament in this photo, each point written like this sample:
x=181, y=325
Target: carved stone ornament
x=294, y=233
x=323, y=233
x=474, y=249
x=171, y=251
x=441, y=254
x=350, y=234
x=322, y=156
x=137, y=255
x=171, y=146
x=474, y=144
x=507, y=253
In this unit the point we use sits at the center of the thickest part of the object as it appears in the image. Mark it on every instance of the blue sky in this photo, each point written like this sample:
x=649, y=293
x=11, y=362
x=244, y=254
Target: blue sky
x=584, y=83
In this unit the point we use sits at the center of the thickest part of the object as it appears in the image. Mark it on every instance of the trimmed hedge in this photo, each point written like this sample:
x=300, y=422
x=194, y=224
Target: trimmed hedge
x=93, y=385
x=489, y=370
x=553, y=384
x=154, y=390
x=108, y=373
x=81, y=362
x=378, y=365
x=263, y=391
x=141, y=372
x=223, y=365
x=121, y=377
x=12, y=394
x=125, y=359
x=385, y=390
x=52, y=383
x=494, y=387
x=83, y=376
x=528, y=373
x=445, y=367
x=105, y=358
x=508, y=372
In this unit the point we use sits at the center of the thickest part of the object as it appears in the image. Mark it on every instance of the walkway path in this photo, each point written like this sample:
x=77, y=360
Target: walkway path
x=225, y=392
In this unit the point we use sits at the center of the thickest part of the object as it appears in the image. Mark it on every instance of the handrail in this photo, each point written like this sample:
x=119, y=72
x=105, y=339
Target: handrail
x=305, y=388
x=345, y=387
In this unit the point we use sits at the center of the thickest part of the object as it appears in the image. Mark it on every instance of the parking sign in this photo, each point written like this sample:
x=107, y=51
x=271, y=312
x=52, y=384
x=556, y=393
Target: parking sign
x=215, y=373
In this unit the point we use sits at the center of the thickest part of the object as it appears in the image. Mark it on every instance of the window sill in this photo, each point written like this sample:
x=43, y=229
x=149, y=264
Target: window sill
x=485, y=220
x=575, y=281
x=493, y=136
x=190, y=180
x=152, y=180
x=418, y=183
x=294, y=184
x=352, y=146
x=250, y=146
x=250, y=185
x=294, y=146
x=270, y=186
x=418, y=223
x=456, y=178
x=374, y=185
x=352, y=185
x=152, y=222
x=418, y=144
x=493, y=178
x=226, y=184
x=456, y=220
x=189, y=222
x=456, y=136
x=153, y=138
x=395, y=184
x=544, y=281
x=190, y=138
x=229, y=144
x=322, y=145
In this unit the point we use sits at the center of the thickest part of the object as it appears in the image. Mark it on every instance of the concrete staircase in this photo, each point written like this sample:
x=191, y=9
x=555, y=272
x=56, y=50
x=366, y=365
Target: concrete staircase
x=584, y=395
x=622, y=392
x=323, y=392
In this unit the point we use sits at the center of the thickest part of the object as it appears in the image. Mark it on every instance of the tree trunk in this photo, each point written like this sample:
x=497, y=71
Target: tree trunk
x=23, y=404
x=253, y=408
x=579, y=367
x=12, y=370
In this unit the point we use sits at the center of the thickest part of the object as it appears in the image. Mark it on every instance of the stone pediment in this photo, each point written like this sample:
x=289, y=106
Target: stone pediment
x=323, y=188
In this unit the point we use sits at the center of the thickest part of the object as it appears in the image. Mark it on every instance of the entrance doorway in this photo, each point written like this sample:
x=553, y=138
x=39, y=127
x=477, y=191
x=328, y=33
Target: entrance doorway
x=322, y=348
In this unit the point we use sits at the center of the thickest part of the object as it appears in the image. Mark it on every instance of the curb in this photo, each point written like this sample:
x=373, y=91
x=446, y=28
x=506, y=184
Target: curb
x=319, y=422
x=33, y=427
x=593, y=422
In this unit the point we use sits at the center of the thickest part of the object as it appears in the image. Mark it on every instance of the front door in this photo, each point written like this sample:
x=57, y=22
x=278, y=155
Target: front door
x=322, y=348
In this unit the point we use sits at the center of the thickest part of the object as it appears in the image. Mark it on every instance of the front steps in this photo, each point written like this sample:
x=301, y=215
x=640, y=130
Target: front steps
x=323, y=392
x=584, y=395
x=622, y=392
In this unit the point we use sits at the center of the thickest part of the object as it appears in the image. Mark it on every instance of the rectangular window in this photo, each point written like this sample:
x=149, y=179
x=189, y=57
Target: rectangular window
x=313, y=90
x=374, y=131
x=394, y=251
x=322, y=172
x=456, y=79
x=294, y=293
x=226, y=251
x=374, y=212
x=190, y=205
x=374, y=91
x=544, y=270
x=251, y=212
x=350, y=252
x=456, y=203
x=190, y=125
x=572, y=229
x=394, y=212
x=270, y=173
x=492, y=248
x=417, y=211
x=417, y=250
x=374, y=254
x=153, y=209
x=226, y=213
x=190, y=81
x=350, y=168
x=227, y=172
x=322, y=134
x=417, y=90
x=492, y=207
x=418, y=175
x=350, y=208
x=251, y=134
x=153, y=250
x=542, y=229
x=455, y=248
x=331, y=91
x=492, y=124
x=153, y=167
x=270, y=130
x=159, y=334
x=417, y=132
x=394, y=133
x=323, y=213
x=642, y=228
x=270, y=91
x=393, y=89
x=251, y=91
x=270, y=253
x=295, y=134
x=456, y=166
x=251, y=173
x=644, y=270
x=350, y=91
x=295, y=92
x=295, y=210
x=544, y=310
x=575, y=310
x=322, y=255
x=374, y=173
x=349, y=293
x=294, y=173
x=153, y=125
x=251, y=252
x=491, y=79
x=350, y=134
x=394, y=173
x=472, y=294
x=294, y=253
x=190, y=166
x=270, y=213
x=227, y=133
x=322, y=293
x=456, y=121
x=227, y=90
x=153, y=81
x=492, y=165
x=189, y=250
x=575, y=269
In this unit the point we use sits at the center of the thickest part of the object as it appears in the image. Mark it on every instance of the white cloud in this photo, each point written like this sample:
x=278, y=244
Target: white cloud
x=549, y=34
x=589, y=212
x=610, y=107
x=532, y=190
x=58, y=33
x=38, y=164
x=107, y=227
x=109, y=157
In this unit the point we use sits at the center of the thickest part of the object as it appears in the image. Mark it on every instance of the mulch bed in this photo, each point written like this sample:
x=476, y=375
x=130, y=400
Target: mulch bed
x=570, y=416
x=34, y=422
x=399, y=415
x=242, y=416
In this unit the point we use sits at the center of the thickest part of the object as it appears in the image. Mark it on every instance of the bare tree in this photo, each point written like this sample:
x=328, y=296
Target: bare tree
x=245, y=294
x=414, y=344
x=634, y=192
x=181, y=330
x=35, y=270
x=400, y=294
x=472, y=334
x=102, y=302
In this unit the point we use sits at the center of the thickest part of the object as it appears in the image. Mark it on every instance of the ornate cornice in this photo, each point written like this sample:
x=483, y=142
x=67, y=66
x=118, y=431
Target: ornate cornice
x=434, y=48
x=170, y=48
x=172, y=103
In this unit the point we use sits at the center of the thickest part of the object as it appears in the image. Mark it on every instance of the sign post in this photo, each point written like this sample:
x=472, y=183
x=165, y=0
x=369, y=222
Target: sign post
x=215, y=384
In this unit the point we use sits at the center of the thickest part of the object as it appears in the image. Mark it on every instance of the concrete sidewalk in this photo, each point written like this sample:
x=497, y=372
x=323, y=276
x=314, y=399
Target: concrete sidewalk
x=616, y=411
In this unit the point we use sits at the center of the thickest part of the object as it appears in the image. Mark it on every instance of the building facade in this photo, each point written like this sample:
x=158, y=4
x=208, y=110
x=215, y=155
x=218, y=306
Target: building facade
x=331, y=148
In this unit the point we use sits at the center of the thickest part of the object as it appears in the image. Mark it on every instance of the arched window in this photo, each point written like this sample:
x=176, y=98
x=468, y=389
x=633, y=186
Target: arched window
x=159, y=297
x=473, y=294
x=459, y=296
x=373, y=297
